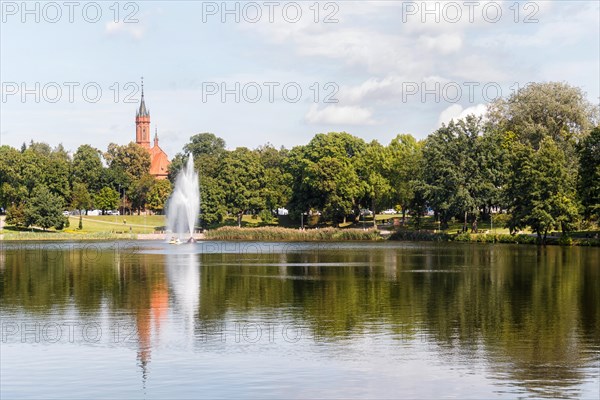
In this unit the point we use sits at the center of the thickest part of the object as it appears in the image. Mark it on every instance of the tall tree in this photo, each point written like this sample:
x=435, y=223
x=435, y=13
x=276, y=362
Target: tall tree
x=40, y=165
x=212, y=201
x=206, y=149
x=589, y=174
x=80, y=200
x=325, y=175
x=132, y=160
x=405, y=170
x=374, y=175
x=541, y=189
x=12, y=185
x=158, y=195
x=138, y=191
x=106, y=199
x=276, y=191
x=453, y=177
x=550, y=109
x=87, y=167
x=242, y=178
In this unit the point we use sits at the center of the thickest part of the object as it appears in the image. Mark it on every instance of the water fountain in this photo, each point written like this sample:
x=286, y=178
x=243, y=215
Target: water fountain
x=184, y=204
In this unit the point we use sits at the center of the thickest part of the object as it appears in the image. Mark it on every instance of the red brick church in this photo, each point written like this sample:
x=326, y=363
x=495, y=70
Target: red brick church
x=159, y=160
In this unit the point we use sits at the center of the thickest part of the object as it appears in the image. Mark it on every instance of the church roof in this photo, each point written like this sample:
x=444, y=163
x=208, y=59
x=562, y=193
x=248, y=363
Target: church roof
x=159, y=161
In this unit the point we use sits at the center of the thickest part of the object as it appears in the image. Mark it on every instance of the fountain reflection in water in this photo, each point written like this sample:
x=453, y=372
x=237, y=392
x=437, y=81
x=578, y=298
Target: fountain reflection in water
x=183, y=206
x=183, y=275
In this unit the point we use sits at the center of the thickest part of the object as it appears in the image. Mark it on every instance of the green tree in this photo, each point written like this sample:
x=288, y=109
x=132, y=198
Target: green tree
x=325, y=175
x=540, y=110
x=206, y=149
x=541, y=189
x=589, y=174
x=12, y=185
x=374, y=176
x=15, y=215
x=212, y=201
x=81, y=200
x=242, y=178
x=87, y=167
x=452, y=174
x=204, y=144
x=405, y=170
x=40, y=165
x=138, y=192
x=158, y=195
x=276, y=191
x=44, y=209
x=106, y=199
x=131, y=160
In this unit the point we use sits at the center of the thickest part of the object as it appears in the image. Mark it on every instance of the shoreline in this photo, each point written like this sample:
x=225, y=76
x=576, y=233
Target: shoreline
x=274, y=234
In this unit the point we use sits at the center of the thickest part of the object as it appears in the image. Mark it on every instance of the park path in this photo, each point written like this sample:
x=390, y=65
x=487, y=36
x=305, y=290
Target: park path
x=111, y=223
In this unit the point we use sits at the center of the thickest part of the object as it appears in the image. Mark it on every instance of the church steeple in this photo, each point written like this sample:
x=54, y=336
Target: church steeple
x=156, y=136
x=143, y=112
x=142, y=123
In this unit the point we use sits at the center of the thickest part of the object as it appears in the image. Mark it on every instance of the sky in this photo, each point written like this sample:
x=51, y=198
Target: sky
x=278, y=72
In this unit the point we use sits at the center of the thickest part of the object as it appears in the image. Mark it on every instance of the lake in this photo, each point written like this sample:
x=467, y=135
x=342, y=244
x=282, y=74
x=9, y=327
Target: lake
x=296, y=320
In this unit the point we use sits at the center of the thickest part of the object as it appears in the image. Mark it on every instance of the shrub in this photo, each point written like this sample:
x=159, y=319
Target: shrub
x=565, y=240
x=266, y=216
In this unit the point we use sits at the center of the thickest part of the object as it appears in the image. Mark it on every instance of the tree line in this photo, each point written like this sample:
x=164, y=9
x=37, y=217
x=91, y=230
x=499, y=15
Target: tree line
x=534, y=156
x=38, y=182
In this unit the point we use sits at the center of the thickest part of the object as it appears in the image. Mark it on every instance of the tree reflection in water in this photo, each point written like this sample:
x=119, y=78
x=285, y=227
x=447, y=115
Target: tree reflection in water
x=532, y=314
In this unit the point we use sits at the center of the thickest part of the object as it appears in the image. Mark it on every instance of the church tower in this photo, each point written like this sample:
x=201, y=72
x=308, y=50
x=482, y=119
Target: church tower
x=142, y=123
x=159, y=162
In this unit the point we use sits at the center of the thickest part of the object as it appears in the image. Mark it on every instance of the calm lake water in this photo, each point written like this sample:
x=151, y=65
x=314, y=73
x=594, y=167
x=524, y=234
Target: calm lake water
x=326, y=320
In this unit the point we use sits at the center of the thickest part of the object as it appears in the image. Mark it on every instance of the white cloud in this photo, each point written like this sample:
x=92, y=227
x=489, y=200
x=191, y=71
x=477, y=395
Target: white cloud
x=339, y=115
x=456, y=112
x=444, y=43
x=112, y=28
x=372, y=89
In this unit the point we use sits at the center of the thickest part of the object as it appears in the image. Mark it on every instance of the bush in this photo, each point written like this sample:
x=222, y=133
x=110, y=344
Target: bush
x=266, y=216
x=463, y=237
x=565, y=240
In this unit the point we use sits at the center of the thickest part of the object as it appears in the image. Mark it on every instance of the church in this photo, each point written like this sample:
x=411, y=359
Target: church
x=158, y=158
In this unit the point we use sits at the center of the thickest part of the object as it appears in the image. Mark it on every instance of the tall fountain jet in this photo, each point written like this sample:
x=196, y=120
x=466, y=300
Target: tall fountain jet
x=184, y=204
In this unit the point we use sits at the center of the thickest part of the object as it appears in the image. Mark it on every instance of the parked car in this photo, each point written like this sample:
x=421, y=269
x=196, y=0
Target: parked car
x=389, y=211
x=66, y=213
x=112, y=212
x=282, y=211
x=366, y=212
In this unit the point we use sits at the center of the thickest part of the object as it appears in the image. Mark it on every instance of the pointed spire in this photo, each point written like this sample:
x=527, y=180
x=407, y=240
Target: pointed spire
x=156, y=135
x=143, y=112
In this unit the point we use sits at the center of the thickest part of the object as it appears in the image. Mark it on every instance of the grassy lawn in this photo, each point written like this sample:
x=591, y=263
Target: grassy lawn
x=114, y=224
x=94, y=227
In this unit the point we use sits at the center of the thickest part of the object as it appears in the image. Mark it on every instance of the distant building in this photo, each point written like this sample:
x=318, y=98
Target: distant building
x=159, y=160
